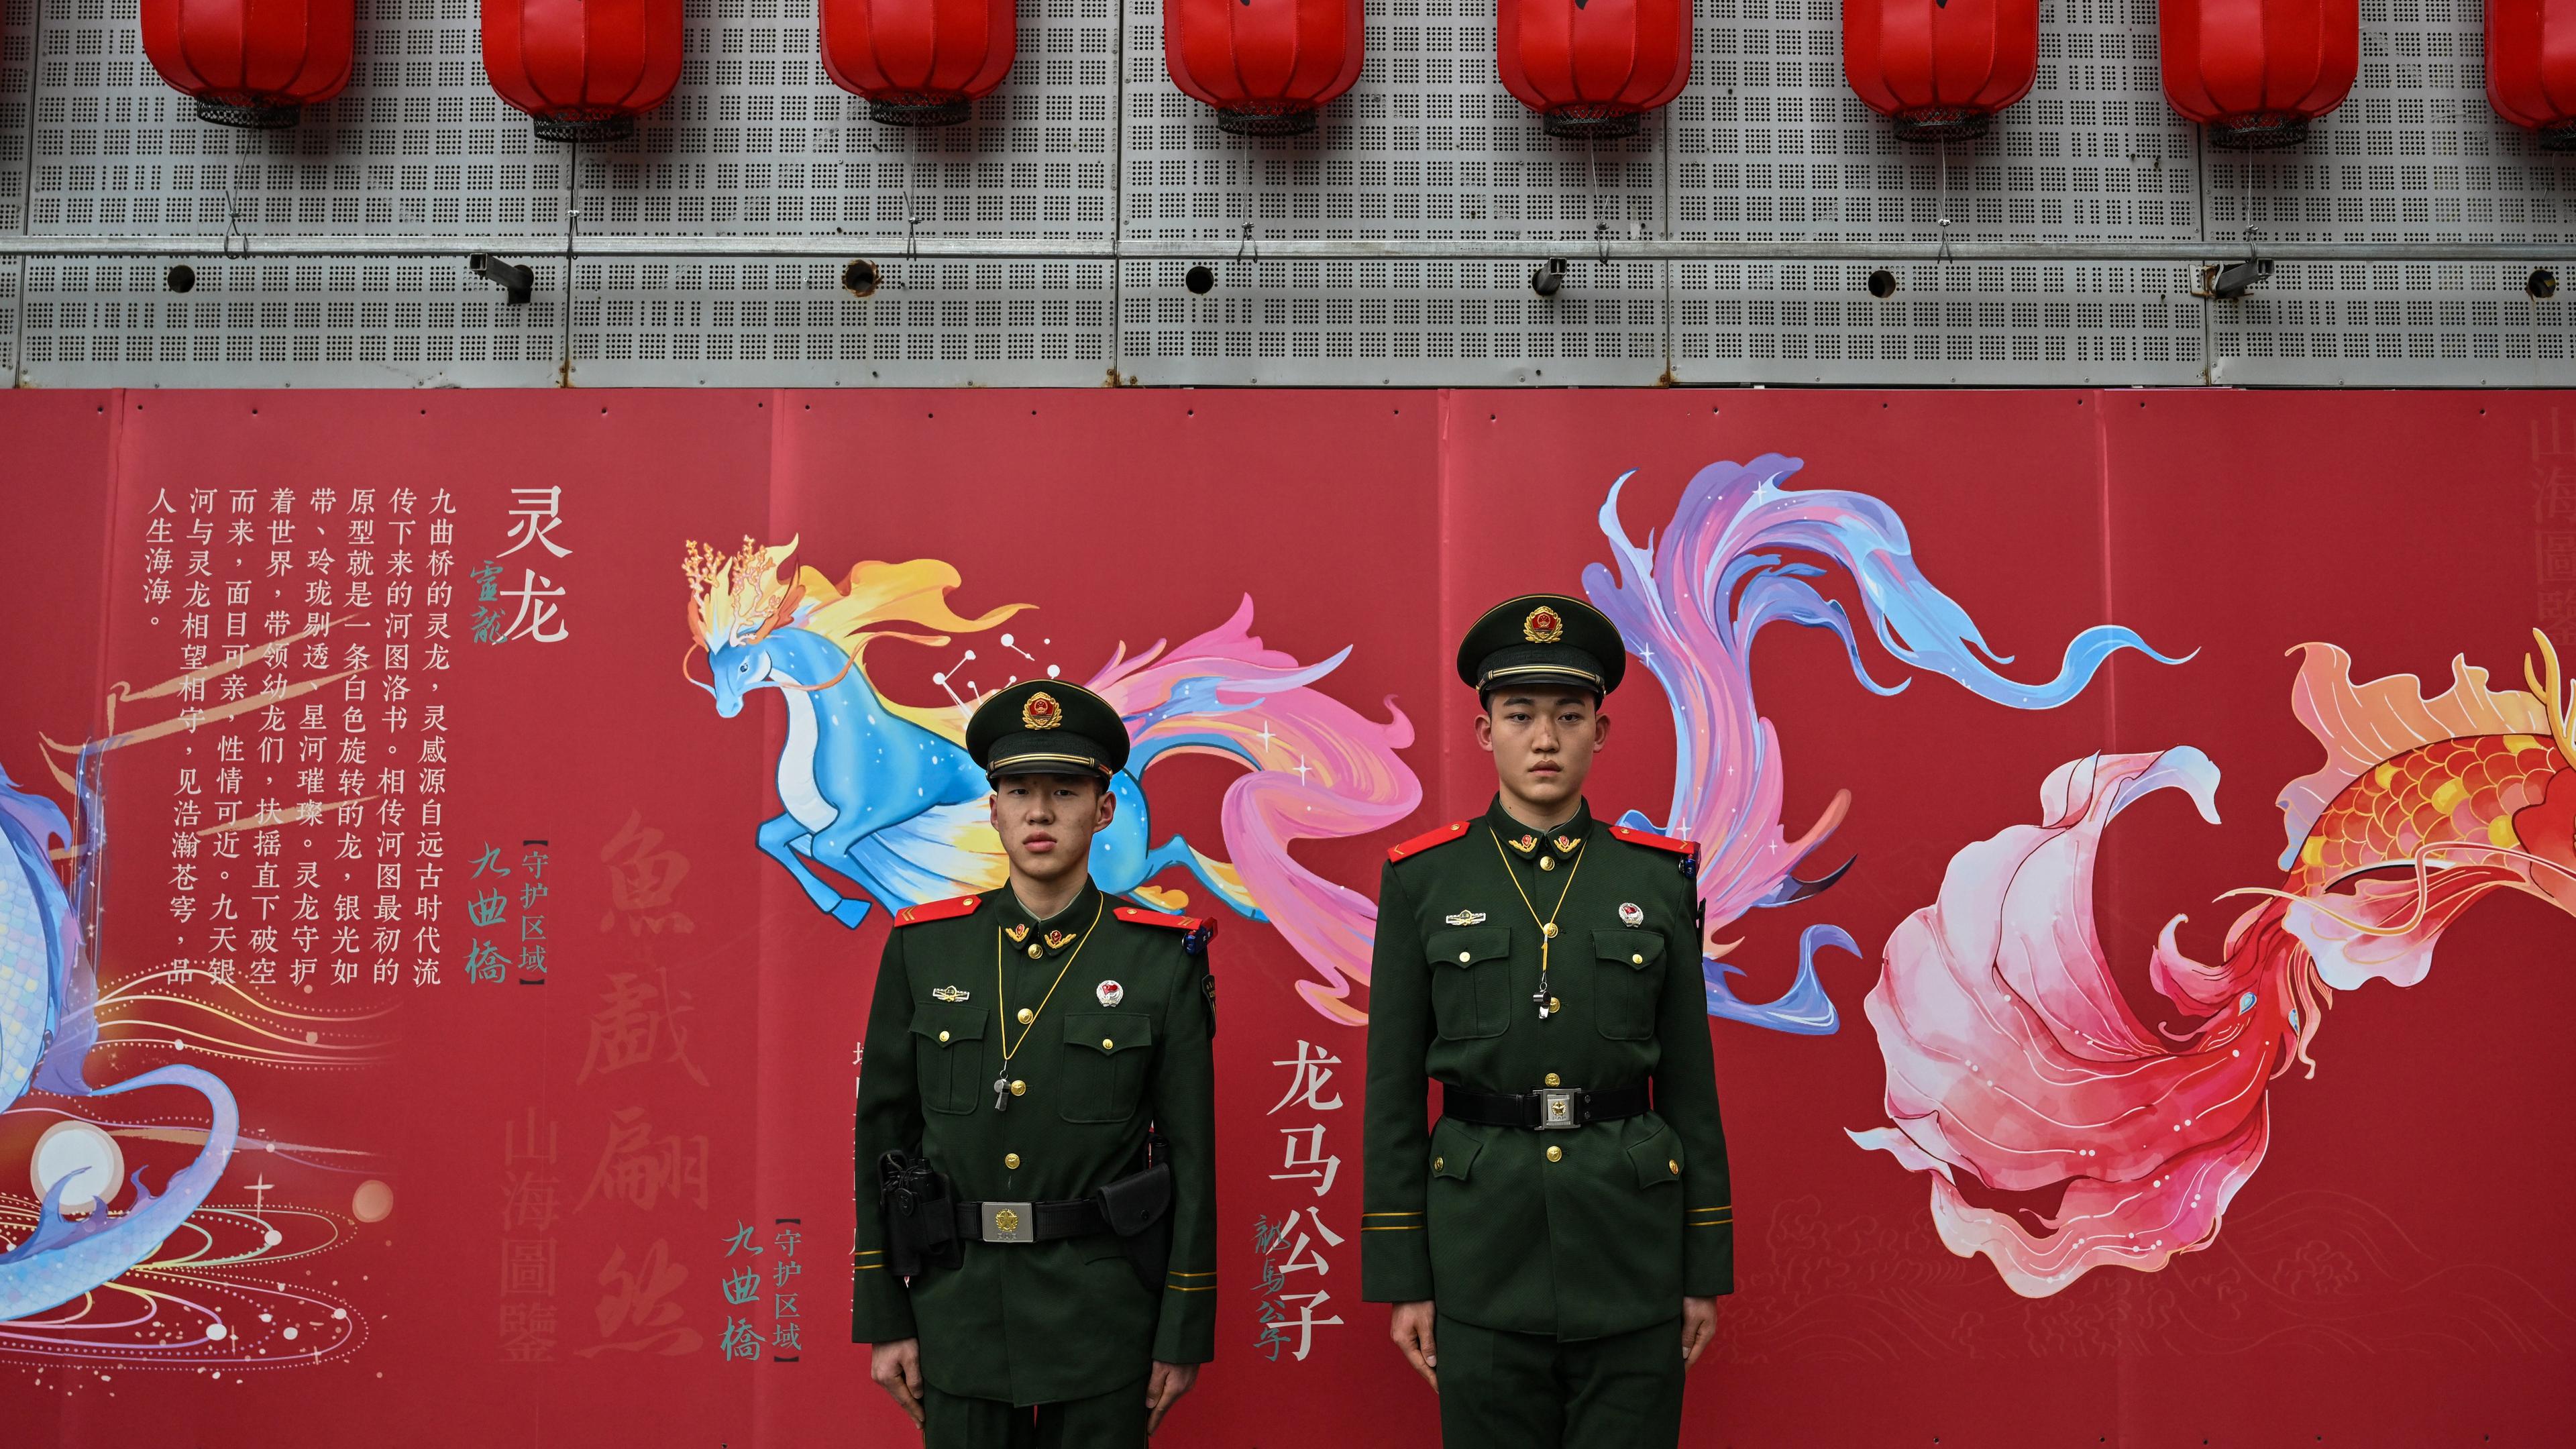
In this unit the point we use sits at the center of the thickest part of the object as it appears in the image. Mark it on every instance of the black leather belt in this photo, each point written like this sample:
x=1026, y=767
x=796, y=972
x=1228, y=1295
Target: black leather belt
x=1030, y=1222
x=1548, y=1109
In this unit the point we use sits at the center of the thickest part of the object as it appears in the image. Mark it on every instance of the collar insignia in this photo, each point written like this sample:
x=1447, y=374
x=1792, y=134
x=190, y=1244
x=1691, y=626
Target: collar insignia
x=1041, y=712
x=1058, y=940
x=1467, y=918
x=1017, y=933
x=949, y=993
x=1525, y=844
x=1543, y=626
x=1565, y=844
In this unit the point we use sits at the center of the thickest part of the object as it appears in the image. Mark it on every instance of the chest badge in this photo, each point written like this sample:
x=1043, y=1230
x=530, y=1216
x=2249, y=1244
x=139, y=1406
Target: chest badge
x=1466, y=918
x=1631, y=914
x=1110, y=993
x=949, y=993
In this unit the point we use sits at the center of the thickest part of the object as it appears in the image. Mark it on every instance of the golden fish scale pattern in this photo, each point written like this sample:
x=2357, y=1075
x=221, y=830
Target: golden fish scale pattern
x=2450, y=791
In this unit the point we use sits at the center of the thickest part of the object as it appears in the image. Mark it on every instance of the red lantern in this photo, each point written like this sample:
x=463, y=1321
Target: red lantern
x=1941, y=68
x=2255, y=72
x=585, y=69
x=919, y=62
x=251, y=63
x=2531, y=67
x=1267, y=66
x=1593, y=67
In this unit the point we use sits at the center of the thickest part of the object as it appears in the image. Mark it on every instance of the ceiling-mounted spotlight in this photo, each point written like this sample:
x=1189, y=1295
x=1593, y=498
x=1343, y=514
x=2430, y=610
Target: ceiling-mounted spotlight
x=1200, y=281
x=183, y=278
x=517, y=283
x=1882, y=284
x=1549, y=279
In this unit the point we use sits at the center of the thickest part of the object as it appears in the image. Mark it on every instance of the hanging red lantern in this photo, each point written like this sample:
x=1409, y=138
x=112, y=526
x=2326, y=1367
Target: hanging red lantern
x=584, y=69
x=251, y=63
x=1267, y=66
x=1940, y=68
x=2255, y=72
x=919, y=62
x=2531, y=67
x=1593, y=67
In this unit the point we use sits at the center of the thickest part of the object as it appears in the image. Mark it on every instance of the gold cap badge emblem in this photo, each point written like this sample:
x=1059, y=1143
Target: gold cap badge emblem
x=1543, y=626
x=1005, y=1220
x=1041, y=712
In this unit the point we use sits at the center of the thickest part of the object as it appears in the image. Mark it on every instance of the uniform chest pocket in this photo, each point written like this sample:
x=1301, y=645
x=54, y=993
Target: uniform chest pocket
x=1471, y=980
x=1105, y=1056
x=1627, y=982
x=948, y=1054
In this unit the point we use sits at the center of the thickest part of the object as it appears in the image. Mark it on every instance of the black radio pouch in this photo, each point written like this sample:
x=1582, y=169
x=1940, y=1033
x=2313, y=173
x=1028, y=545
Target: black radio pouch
x=1138, y=1208
x=920, y=1216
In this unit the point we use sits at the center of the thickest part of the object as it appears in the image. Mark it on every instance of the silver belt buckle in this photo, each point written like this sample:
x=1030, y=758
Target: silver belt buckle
x=1556, y=1109
x=1010, y=1222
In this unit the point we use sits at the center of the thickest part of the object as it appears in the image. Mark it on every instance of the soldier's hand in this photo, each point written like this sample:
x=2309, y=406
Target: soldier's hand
x=1164, y=1389
x=1699, y=1328
x=1410, y=1327
x=897, y=1369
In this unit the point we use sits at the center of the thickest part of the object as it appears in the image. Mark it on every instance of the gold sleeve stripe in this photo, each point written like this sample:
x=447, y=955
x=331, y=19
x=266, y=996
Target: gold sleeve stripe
x=868, y=1267
x=1390, y=1227
x=1417, y=1212
x=1176, y=1273
x=1721, y=1207
x=1177, y=1288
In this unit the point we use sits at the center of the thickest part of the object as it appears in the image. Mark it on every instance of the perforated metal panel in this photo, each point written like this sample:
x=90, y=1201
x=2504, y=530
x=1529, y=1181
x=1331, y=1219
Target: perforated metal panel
x=1089, y=140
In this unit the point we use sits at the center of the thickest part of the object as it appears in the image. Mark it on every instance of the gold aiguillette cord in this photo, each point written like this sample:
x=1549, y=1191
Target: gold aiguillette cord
x=1001, y=1003
x=1546, y=928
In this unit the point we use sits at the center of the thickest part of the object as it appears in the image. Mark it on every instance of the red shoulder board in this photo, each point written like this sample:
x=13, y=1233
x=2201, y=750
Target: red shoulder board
x=937, y=910
x=1138, y=915
x=1675, y=844
x=1428, y=839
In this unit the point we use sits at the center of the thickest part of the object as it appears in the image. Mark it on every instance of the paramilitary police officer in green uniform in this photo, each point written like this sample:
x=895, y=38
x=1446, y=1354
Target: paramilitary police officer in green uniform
x=1555, y=1245
x=1019, y=1046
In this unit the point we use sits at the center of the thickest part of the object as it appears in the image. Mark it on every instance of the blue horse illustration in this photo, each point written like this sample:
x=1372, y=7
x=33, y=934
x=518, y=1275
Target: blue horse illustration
x=885, y=796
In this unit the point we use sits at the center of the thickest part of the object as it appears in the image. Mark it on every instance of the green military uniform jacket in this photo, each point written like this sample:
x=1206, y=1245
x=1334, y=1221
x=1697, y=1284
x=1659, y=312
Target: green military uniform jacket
x=1119, y=1040
x=1578, y=1233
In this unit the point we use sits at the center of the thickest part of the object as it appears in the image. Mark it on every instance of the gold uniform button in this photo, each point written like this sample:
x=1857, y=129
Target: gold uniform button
x=1035, y=951
x=1011, y=1160
x=1547, y=862
x=1675, y=1165
x=1107, y=1045
x=1019, y=1089
x=1439, y=1162
x=1556, y=1154
x=1551, y=1079
x=943, y=1036
x=1636, y=960
x=1466, y=955
x=1027, y=1016
x=1554, y=1006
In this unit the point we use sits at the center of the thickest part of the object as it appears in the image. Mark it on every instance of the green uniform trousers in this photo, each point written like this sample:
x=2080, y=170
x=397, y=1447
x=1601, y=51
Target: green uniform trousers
x=1104, y=1421
x=1503, y=1390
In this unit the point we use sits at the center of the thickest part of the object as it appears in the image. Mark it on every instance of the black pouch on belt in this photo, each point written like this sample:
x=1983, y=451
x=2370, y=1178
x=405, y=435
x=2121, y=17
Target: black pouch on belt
x=1139, y=1209
x=920, y=1216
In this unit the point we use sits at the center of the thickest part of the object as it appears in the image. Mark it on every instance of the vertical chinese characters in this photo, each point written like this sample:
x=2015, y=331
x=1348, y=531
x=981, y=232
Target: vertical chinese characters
x=1290, y=1308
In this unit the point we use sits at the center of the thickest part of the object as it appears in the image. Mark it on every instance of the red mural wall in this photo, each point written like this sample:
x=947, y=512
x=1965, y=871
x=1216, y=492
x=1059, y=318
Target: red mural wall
x=507, y=1143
